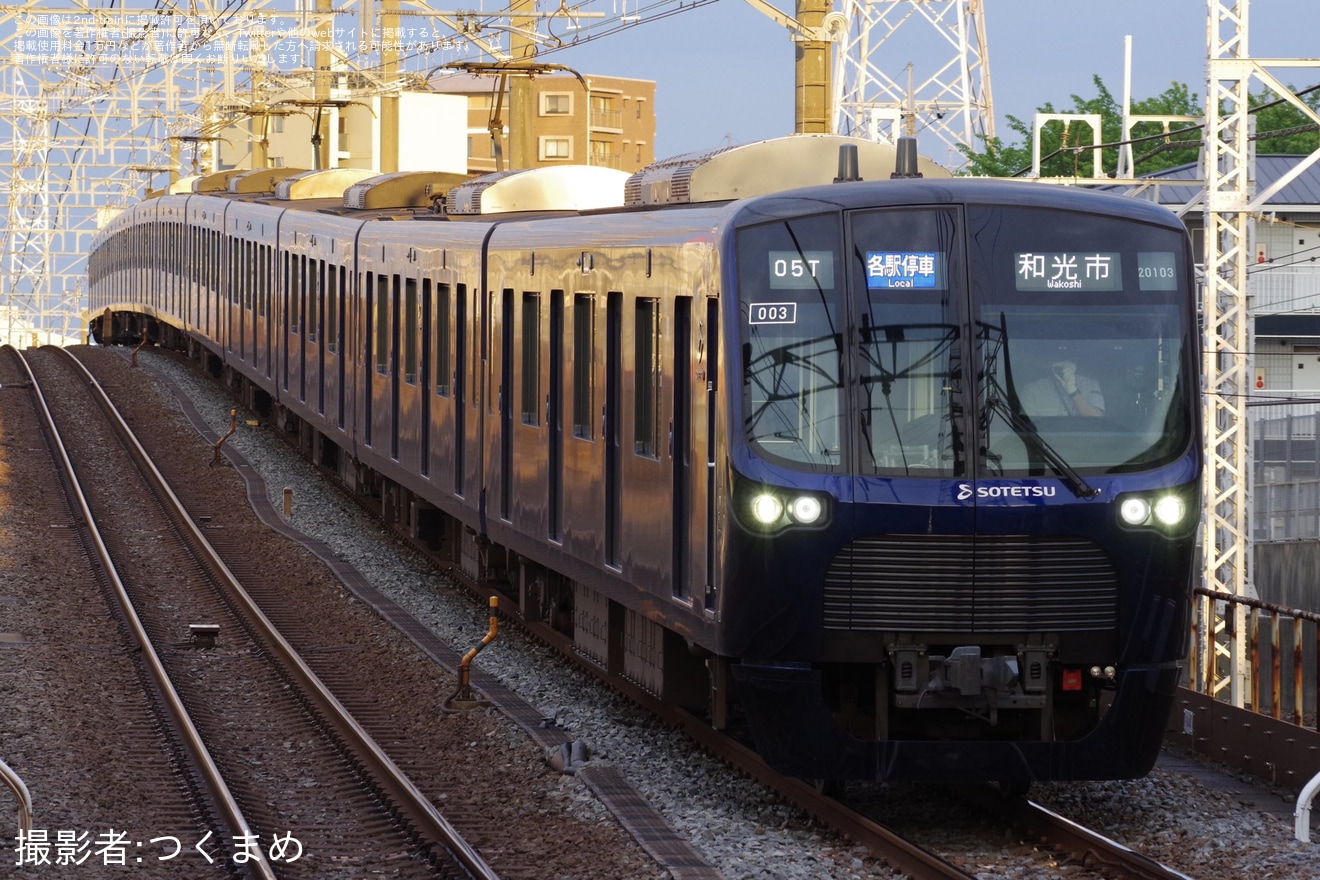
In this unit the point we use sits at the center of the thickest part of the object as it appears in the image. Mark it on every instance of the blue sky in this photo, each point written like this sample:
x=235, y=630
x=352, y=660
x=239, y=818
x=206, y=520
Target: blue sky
x=724, y=72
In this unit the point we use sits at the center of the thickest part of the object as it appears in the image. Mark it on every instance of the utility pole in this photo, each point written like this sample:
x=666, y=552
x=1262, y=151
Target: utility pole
x=522, y=97
x=389, y=99
x=812, y=85
x=814, y=30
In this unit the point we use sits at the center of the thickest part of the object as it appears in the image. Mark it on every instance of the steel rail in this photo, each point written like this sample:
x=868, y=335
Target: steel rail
x=233, y=814
x=409, y=799
x=895, y=850
x=1094, y=850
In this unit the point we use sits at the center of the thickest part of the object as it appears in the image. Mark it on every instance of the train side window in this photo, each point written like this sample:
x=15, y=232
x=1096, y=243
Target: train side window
x=584, y=364
x=646, y=379
x=443, y=366
x=410, y=330
x=531, y=359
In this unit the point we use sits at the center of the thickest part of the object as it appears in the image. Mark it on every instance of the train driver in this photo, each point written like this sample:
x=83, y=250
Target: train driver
x=1064, y=392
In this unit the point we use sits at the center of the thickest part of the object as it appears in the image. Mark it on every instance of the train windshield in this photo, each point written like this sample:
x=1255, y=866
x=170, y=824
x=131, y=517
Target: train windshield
x=793, y=325
x=1057, y=341
x=1081, y=332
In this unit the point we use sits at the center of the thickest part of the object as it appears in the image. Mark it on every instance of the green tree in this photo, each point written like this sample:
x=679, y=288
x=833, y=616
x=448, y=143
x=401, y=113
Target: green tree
x=1282, y=129
x=1164, y=142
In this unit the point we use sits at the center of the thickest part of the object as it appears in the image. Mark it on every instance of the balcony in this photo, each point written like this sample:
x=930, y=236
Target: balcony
x=607, y=120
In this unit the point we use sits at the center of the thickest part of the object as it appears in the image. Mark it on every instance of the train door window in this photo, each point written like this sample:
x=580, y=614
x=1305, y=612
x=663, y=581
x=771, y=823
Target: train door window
x=908, y=306
x=287, y=261
x=318, y=325
x=315, y=299
x=234, y=275
x=298, y=298
x=443, y=350
x=397, y=333
x=554, y=415
x=369, y=356
x=249, y=283
x=531, y=359
x=460, y=364
x=680, y=434
x=584, y=364
x=250, y=262
x=410, y=329
x=235, y=267
x=424, y=380
x=263, y=280
x=506, y=402
x=646, y=378
x=333, y=280
x=613, y=427
x=711, y=335
x=382, y=344
x=475, y=348
x=336, y=337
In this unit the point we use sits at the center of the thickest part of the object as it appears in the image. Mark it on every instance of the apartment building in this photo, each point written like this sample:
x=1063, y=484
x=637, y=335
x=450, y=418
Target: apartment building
x=597, y=120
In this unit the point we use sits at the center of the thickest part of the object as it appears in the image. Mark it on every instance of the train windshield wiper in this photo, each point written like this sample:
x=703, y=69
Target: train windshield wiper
x=1027, y=431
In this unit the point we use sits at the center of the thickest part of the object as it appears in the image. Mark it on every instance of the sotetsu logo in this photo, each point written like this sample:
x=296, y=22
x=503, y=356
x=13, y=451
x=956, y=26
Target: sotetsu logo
x=966, y=490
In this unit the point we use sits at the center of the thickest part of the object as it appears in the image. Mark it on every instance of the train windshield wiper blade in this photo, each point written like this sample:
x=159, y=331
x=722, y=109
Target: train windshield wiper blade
x=1027, y=431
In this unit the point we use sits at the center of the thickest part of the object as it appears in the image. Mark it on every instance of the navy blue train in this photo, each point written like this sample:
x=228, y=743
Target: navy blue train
x=901, y=473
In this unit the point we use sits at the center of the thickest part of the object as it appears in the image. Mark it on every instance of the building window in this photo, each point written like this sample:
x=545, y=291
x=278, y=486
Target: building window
x=556, y=103
x=556, y=148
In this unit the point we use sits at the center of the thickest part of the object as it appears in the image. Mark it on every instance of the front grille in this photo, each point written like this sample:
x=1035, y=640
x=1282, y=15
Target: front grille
x=982, y=584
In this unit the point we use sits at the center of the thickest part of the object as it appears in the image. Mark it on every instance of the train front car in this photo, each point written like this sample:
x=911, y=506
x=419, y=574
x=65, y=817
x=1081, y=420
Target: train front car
x=964, y=479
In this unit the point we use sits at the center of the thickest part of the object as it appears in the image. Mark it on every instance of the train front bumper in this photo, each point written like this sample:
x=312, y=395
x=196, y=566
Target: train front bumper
x=796, y=734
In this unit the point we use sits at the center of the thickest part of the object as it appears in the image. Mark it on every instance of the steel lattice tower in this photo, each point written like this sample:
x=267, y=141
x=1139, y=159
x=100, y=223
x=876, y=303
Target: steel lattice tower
x=102, y=102
x=1232, y=204
x=944, y=107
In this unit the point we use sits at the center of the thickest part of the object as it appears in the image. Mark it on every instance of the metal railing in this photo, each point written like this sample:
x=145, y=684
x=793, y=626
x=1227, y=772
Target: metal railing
x=1282, y=680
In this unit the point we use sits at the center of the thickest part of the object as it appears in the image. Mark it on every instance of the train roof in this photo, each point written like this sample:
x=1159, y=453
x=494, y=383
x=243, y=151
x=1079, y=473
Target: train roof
x=841, y=171
x=951, y=191
x=764, y=167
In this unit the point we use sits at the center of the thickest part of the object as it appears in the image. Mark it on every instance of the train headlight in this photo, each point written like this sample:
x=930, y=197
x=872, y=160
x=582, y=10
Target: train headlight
x=805, y=509
x=1134, y=511
x=1170, y=510
x=1167, y=511
x=767, y=509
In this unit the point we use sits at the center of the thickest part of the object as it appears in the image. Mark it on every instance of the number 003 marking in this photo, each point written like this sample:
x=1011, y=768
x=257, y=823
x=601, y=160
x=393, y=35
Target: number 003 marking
x=772, y=313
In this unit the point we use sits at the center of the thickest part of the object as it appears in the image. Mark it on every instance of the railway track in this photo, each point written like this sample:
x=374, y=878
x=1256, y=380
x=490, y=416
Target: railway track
x=1060, y=841
x=288, y=775
x=1090, y=852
